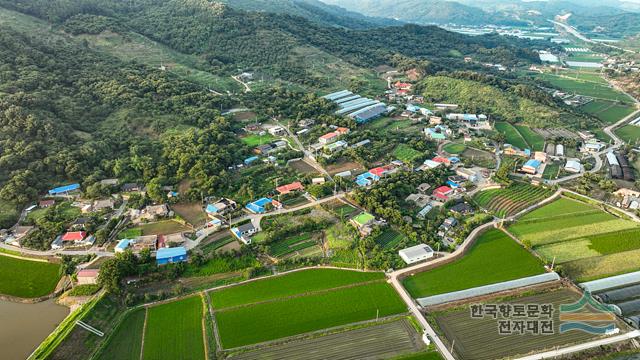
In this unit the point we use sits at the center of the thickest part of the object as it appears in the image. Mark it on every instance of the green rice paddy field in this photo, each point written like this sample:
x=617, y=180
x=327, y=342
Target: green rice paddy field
x=511, y=200
x=478, y=267
x=454, y=148
x=595, y=89
x=586, y=241
x=300, y=302
x=27, y=278
x=512, y=135
x=173, y=330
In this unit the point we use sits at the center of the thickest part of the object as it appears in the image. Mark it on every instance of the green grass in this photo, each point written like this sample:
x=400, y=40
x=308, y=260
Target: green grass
x=130, y=233
x=254, y=140
x=221, y=265
x=494, y=258
x=511, y=135
x=406, y=154
x=338, y=236
x=174, y=330
x=84, y=290
x=27, y=278
x=615, y=242
x=292, y=316
x=126, y=341
x=629, y=133
x=535, y=140
x=454, y=148
x=288, y=285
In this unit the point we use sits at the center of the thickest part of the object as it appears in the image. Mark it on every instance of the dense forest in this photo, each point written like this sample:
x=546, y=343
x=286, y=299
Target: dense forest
x=69, y=114
x=231, y=39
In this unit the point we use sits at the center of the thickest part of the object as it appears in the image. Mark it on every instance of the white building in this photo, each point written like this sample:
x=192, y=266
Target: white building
x=573, y=165
x=416, y=253
x=559, y=150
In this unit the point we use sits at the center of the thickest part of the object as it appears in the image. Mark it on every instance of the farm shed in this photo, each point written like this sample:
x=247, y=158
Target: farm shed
x=559, y=150
x=416, y=253
x=488, y=289
x=573, y=165
x=337, y=95
x=171, y=255
x=62, y=190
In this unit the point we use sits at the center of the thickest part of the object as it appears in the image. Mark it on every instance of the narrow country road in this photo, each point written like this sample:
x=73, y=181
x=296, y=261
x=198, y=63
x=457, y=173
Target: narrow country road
x=308, y=157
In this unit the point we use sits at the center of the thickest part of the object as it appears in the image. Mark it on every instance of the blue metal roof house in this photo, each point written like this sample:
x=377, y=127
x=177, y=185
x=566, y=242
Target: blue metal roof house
x=250, y=160
x=64, y=189
x=259, y=206
x=171, y=255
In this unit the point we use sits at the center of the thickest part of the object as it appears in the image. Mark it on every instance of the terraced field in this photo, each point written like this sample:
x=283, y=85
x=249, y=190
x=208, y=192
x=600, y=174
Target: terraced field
x=511, y=200
x=587, y=242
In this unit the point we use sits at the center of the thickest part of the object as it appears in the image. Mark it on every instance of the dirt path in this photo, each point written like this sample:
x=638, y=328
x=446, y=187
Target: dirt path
x=144, y=331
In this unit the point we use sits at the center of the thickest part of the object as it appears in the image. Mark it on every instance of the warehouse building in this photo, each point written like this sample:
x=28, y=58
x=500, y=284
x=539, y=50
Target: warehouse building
x=416, y=253
x=171, y=255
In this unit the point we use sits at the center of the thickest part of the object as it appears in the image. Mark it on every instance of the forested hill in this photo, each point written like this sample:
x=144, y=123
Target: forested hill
x=314, y=10
x=230, y=39
x=69, y=114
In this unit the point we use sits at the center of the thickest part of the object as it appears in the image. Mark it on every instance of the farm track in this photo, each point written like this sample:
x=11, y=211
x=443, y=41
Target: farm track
x=378, y=341
x=311, y=293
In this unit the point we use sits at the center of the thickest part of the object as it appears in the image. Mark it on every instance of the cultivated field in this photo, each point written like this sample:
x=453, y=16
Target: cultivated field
x=535, y=141
x=479, y=339
x=191, y=213
x=255, y=140
x=629, y=133
x=291, y=245
x=300, y=302
x=477, y=267
x=27, y=278
x=607, y=111
x=386, y=340
x=511, y=134
x=584, y=240
x=303, y=167
x=389, y=239
x=406, y=154
x=511, y=200
x=174, y=330
x=126, y=342
x=163, y=228
x=593, y=89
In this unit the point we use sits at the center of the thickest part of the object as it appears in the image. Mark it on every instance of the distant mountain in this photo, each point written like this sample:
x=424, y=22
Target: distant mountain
x=315, y=11
x=426, y=11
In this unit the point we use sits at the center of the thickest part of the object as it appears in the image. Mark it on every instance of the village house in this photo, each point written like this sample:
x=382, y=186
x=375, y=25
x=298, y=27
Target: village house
x=468, y=174
x=540, y=156
x=531, y=167
x=171, y=255
x=304, y=123
x=221, y=207
x=87, y=276
x=573, y=165
x=423, y=188
x=442, y=193
x=263, y=149
x=144, y=242
x=103, y=204
x=289, y=188
x=328, y=138
x=131, y=187
x=277, y=131
x=461, y=208
x=109, y=182
x=420, y=200
x=43, y=204
x=244, y=232
x=263, y=205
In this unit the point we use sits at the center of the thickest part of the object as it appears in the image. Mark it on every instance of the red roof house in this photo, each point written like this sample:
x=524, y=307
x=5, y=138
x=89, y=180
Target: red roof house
x=443, y=160
x=87, y=276
x=442, y=192
x=342, y=130
x=379, y=171
x=285, y=189
x=403, y=86
x=74, y=236
x=328, y=138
